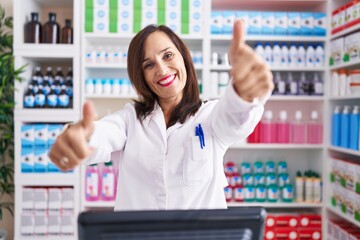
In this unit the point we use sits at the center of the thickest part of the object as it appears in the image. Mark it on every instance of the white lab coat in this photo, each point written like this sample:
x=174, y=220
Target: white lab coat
x=163, y=168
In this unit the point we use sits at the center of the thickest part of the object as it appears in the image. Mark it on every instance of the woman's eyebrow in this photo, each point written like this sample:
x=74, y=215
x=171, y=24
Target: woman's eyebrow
x=164, y=50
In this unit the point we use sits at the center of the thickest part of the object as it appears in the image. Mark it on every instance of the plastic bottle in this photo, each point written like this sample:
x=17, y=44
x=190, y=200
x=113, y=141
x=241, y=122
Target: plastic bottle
x=345, y=128
x=92, y=183
x=239, y=194
x=285, y=60
x=283, y=128
x=291, y=85
x=298, y=129
x=259, y=49
x=303, y=85
x=37, y=78
x=335, y=83
x=268, y=128
x=335, y=127
x=280, y=84
x=40, y=98
x=310, y=56
x=342, y=82
x=309, y=187
x=33, y=29
x=299, y=187
x=108, y=180
x=59, y=76
x=354, y=126
x=51, y=33
x=89, y=86
x=63, y=98
x=49, y=76
x=317, y=189
x=317, y=85
x=293, y=56
x=69, y=82
x=29, y=98
x=301, y=56
x=268, y=54
x=276, y=52
x=319, y=56
x=52, y=98
x=67, y=33
x=315, y=129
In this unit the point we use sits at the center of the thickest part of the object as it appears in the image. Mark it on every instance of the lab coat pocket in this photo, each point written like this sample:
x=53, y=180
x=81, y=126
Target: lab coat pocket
x=198, y=162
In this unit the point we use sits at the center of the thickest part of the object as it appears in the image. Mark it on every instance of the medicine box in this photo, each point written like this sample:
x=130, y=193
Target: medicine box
x=216, y=24
x=337, y=51
x=27, y=200
x=268, y=23
x=27, y=224
x=27, y=160
x=294, y=23
x=125, y=21
x=40, y=223
x=307, y=23
x=255, y=23
x=41, y=199
x=228, y=22
x=281, y=23
x=27, y=136
x=40, y=159
x=41, y=135
x=320, y=24
x=54, y=131
x=55, y=199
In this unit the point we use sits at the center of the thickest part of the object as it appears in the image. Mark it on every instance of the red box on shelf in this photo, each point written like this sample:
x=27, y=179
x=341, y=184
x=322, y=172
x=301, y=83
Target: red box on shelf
x=286, y=233
x=309, y=233
x=270, y=222
x=287, y=221
x=269, y=234
x=309, y=220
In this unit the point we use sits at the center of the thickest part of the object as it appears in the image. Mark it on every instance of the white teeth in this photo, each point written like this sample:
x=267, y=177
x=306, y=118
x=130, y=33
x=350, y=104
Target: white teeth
x=166, y=81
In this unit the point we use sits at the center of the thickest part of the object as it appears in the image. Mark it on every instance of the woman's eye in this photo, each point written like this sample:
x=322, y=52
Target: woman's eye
x=168, y=55
x=148, y=65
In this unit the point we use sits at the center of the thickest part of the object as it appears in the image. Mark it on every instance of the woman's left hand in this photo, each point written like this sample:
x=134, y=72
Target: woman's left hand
x=251, y=75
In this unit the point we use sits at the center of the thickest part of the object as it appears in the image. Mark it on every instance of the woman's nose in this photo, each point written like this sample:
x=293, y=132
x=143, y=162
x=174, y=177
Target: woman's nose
x=162, y=69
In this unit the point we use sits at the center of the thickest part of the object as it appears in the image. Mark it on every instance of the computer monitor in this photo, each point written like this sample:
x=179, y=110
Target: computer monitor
x=224, y=224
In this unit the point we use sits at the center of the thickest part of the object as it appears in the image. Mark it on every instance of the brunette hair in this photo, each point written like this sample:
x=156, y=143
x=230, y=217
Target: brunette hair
x=189, y=104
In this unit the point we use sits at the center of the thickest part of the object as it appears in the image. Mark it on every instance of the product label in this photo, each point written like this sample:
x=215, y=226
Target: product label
x=272, y=193
x=40, y=99
x=249, y=193
x=239, y=194
x=64, y=100
x=92, y=180
x=319, y=88
x=52, y=100
x=29, y=101
x=108, y=185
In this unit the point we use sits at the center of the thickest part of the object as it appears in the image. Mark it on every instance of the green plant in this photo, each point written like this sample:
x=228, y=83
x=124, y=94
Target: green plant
x=8, y=75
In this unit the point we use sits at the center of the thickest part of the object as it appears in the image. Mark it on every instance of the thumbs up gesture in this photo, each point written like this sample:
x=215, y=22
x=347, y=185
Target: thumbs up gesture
x=71, y=146
x=251, y=76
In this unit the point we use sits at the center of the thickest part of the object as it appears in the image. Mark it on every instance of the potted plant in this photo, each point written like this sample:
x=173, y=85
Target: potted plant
x=8, y=75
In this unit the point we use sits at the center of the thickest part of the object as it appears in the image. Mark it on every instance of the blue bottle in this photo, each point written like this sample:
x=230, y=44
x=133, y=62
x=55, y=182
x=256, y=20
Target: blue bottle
x=335, y=127
x=345, y=128
x=354, y=126
x=29, y=98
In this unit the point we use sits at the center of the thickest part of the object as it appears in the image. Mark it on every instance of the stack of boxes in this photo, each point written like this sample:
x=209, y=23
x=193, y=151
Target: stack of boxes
x=271, y=23
x=345, y=49
x=293, y=226
x=47, y=212
x=345, y=179
x=36, y=142
x=130, y=16
x=340, y=229
x=345, y=16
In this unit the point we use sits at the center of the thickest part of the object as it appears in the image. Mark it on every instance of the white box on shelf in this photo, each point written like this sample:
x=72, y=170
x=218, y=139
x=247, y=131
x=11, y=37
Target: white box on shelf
x=27, y=160
x=173, y=20
x=54, y=131
x=352, y=46
x=54, y=223
x=294, y=23
x=149, y=5
x=337, y=51
x=149, y=16
x=101, y=4
x=55, y=198
x=27, y=135
x=281, y=23
x=244, y=16
x=27, y=224
x=125, y=4
x=27, y=201
x=67, y=200
x=268, y=23
x=216, y=22
x=126, y=19
x=338, y=19
x=41, y=199
x=320, y=24
x=40, y=159
x=172, y=4
x=40, y=223
x=228, y=19
x=255, y=23
x=68, y=224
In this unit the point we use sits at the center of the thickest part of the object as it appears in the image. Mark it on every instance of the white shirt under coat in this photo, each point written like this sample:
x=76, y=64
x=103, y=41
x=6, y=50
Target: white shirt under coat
x=163, y=168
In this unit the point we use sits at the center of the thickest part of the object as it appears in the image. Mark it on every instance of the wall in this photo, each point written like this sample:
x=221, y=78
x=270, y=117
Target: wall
x=8, y=221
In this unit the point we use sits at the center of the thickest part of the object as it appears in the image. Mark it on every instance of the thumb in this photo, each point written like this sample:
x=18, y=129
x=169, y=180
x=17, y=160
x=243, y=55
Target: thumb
x=239, y=33
x=89, y=116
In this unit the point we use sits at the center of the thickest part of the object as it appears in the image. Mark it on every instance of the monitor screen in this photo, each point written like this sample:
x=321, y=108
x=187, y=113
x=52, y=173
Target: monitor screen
x=215, y=224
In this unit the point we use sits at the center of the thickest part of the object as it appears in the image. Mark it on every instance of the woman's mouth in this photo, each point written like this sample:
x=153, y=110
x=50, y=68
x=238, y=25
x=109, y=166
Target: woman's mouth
x=167, y=81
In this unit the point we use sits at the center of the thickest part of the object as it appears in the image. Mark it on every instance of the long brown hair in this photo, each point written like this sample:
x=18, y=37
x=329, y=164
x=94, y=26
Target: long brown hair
x=189, y=104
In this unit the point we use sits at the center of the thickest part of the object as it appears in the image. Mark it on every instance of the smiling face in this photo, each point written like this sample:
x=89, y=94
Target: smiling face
x=164, y=69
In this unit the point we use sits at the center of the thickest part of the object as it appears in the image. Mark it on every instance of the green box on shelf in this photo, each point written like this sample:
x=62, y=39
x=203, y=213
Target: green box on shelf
x=89, y=14
x=343, y=208
x=333, y=202
x=113, y=5
x=357, y=215
x=89, y=26
x=89, y=3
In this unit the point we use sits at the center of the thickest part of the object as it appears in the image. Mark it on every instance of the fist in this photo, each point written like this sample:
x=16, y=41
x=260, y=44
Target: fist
x=71, y=146
x=251, y=76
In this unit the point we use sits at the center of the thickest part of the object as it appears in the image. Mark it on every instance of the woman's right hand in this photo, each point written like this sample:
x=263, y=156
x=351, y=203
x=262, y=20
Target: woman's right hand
x=71, y=146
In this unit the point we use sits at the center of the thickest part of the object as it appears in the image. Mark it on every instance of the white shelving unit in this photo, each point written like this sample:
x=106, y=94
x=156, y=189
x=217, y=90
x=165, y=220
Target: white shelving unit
x=64, y=55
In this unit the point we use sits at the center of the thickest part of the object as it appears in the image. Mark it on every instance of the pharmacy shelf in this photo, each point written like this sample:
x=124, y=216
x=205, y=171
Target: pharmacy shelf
x=121, y=66
x=46, y=115
x=275, y=205
x=47, y=179
x=110, y=96
x=344, y=150
x=99, y=204
x=349, y=65
x=46, y=51
x=349, y=97
x=345, y=31
x=254, y=38
x=342, y=215
x=130, y=36
x=272, y=68
x=275, y=146
x=48, y=238
x=296, y=98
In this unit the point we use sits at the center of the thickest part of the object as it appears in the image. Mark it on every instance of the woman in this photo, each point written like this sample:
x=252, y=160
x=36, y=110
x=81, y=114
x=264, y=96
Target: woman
x=172, y=144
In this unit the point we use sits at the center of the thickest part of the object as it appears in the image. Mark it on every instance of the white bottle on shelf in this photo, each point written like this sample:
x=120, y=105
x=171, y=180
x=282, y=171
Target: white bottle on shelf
x=293, y=53
x=285, y=61
x=310, y=56
x=259, y=49
x=301, y=56
x=268, y=54
x=276, y=55
x=319, y=56
x=335, y=82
